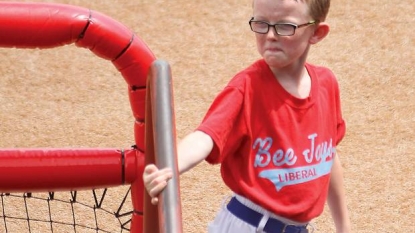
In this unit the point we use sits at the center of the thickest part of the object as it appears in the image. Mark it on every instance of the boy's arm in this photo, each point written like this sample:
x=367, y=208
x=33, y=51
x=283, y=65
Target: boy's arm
x=337, y=199
x=191, y=150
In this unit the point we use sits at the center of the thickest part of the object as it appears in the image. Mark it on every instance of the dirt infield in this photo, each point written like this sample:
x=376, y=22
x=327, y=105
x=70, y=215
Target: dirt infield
x=68, y=97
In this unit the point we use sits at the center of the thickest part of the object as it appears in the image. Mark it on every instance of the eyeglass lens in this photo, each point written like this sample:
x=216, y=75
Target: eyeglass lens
x=282, y=29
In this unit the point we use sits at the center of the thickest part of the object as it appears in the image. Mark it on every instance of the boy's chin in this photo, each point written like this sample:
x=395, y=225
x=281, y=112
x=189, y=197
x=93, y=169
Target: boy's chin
x=275, y=62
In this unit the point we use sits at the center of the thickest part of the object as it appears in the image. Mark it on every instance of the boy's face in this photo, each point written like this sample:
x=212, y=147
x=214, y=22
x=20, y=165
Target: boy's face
x=281, y=51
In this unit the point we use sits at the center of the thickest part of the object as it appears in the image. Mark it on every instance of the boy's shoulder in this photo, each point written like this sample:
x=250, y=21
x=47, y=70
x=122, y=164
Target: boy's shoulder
x=320, y=72
x=323, y=75
x=318, y=68
x=254, y=69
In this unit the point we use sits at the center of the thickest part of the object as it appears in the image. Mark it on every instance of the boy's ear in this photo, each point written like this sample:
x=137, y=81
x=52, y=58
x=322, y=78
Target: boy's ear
x=322, y=30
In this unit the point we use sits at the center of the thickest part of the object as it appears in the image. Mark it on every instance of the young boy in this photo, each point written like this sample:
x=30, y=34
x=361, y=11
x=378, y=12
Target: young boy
x=274, y=129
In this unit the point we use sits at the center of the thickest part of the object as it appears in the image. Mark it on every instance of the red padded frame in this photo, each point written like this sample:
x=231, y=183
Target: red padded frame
x=49, y=25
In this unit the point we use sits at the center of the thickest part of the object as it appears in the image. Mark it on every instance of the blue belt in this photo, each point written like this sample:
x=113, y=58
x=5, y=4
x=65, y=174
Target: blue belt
x=253, y=218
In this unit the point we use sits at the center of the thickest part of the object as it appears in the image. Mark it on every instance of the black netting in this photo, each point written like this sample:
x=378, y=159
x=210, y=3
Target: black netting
x=101, y=211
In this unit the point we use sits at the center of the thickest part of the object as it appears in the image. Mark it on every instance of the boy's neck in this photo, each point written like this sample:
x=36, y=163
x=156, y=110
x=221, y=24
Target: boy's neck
x=296, y=81
x=294, y=78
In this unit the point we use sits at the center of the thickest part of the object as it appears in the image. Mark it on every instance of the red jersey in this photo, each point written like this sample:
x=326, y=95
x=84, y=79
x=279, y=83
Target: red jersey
x=275, y=149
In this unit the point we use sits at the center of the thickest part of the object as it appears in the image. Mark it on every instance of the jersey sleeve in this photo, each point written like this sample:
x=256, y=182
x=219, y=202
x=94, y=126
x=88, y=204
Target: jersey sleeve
x=341, y=124
x=328, y=82
x=223, y=121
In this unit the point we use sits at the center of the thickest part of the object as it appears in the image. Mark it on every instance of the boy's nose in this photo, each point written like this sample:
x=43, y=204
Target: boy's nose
x=272, y=32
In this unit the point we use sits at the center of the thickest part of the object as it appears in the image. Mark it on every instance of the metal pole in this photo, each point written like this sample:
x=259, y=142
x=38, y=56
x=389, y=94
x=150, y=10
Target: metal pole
x=164, y=133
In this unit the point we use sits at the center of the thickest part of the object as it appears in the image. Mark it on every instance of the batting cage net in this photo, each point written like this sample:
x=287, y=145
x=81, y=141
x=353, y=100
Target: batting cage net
x=75, y=211
x=95, y=189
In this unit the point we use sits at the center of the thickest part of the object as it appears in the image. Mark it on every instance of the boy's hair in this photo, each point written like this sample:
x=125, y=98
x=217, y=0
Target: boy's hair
x=318, y=9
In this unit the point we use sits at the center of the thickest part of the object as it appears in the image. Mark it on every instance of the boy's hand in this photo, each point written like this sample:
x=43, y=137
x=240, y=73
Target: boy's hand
x=155, y=180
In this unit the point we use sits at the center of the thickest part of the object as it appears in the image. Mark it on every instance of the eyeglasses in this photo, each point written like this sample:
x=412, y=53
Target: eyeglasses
x=282, y=29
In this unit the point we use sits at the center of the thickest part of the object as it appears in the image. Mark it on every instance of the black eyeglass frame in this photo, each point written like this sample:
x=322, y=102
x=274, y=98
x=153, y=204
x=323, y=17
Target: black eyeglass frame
x=275, y=26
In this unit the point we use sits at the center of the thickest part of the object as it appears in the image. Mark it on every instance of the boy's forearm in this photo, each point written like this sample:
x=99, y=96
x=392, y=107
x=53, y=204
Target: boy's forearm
x=192, y=150
x=337, y=199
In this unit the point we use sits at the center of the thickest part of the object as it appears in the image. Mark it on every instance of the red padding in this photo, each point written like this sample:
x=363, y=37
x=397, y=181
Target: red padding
x=40, y=170
x=34, y=25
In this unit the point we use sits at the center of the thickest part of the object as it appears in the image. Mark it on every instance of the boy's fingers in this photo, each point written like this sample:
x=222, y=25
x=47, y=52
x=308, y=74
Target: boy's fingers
x=150, y=169
x=154, y=177
x=159, y=183
x=155, y=180
x=154, y=200
x=157, y=188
